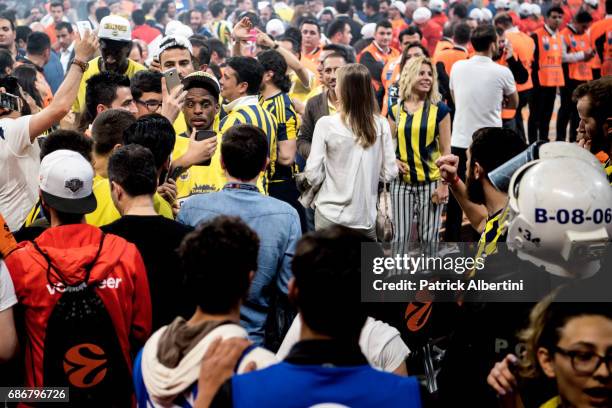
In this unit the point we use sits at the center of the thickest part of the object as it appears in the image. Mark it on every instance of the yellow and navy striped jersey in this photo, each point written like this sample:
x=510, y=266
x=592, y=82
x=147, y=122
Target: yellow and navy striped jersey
x=222, y=30
x=418, y=140
x=255, y=115
x=494, y=232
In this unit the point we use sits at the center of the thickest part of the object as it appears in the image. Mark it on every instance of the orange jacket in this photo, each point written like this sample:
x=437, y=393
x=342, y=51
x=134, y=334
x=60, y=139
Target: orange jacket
x=601, y=31
x=444, y=44
x=449, y=56
x=579, y=71
x=381, y=60
x=119, y=274
x=523, y=48
x=550, y=54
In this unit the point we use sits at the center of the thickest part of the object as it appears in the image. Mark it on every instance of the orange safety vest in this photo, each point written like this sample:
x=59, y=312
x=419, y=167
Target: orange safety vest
x=379, y=56
x=523, y=48
x=443, y=44
x=598, y=29
x=391, y=72
x=579, y=71
x=550, y=50
x=449, y=57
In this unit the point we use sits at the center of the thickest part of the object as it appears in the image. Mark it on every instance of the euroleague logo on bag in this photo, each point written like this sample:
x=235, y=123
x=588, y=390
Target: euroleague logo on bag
x=85, y=365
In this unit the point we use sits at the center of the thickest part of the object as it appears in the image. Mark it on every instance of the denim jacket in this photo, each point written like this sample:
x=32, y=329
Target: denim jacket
x=278, y=226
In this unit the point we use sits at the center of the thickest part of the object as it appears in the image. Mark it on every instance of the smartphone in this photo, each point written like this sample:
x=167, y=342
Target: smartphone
x=83, y=26
x=203, y=135
x=176, y=172
x=10, y=102
x=172, y=79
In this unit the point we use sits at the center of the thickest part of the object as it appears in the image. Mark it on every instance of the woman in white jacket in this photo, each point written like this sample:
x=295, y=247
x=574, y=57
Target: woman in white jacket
x=351, y=152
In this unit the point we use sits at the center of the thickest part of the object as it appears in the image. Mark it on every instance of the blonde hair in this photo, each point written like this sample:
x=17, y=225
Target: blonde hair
x=358, y=105
x=409, y=77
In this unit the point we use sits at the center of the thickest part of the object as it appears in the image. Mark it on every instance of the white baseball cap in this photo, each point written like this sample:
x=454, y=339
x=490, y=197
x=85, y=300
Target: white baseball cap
x=115, y=28
x=66, y=182
x=436, y=5
x=592, y=3
x=400, y=6
x=476, y=14
x=421, y=15
x=275, y=27
x=368, y=30
x=536, y=10
x=502, y=4
x=486, y=14
x=525, y=9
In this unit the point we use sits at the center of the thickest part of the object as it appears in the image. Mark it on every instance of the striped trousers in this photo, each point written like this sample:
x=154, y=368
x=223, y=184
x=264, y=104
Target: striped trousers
x=412, y=201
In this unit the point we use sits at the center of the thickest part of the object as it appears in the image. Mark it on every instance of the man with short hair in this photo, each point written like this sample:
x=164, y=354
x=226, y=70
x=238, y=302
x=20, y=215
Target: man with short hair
x=106, y=90
x=343, y=7
x=56, y=10
x=371, y=11
x=326, y=291
x=65, y=42
x=311, y=43
x=38, y=54
x=244, y=155
x=142, y=30
x=8, y=36
x=196, y=22
x=133, y=183
x=115, y=45
x=147, y=92
x=339, y=32
x=595, y=130
x=221, y=29
x=458, y=52
x=166, y=370
x=74, y=255
x=376, y=55
x=475, y=109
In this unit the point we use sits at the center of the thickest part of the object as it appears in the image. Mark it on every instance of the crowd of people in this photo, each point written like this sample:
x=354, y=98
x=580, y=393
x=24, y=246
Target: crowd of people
x=185, y=188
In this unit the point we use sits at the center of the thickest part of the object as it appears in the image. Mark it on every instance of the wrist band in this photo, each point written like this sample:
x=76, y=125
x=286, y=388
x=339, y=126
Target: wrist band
x=454, y=181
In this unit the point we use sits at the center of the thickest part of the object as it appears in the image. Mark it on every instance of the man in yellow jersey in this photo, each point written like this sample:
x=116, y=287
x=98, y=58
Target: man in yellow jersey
x=107, y=134
x=115, y=36
x=200, y=110
x=221, y=28
x=240, y=85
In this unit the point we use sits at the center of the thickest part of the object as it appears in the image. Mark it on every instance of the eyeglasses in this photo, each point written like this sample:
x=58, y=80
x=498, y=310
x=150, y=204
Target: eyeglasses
x=585, y=362
x=152, y=106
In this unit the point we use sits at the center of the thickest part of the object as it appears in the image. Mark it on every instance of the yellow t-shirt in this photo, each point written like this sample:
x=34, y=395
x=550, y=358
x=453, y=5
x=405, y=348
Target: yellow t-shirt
x=298, y=90
x=180, y=126
x=106, y=212
x=79, y=104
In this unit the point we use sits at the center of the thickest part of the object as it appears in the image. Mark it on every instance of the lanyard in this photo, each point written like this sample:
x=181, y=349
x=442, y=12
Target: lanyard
x=241, y=186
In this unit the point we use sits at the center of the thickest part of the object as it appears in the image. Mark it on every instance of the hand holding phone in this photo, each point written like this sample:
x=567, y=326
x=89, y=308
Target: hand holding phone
x=83, y=26
x=202, y=135
x=172, y=79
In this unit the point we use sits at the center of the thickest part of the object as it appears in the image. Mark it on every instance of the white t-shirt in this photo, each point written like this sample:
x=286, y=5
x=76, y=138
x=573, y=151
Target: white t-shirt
x=19, y=164
x=7, y=290
x=479, y=86
x=380, y=343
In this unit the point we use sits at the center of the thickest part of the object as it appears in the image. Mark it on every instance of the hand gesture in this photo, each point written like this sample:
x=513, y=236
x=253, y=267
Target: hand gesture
x=202, y=150
x=448, y=165
x=85, y=48
x=264, y=40
x=241, y=30
x=168, y=191
x=501, y=378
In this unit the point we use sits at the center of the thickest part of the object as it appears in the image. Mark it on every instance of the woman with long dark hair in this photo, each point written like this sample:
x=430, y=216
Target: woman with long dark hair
x=351, y=153
x=27, y=77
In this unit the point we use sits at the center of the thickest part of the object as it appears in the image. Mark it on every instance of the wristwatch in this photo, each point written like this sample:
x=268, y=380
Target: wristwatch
x=83, y=65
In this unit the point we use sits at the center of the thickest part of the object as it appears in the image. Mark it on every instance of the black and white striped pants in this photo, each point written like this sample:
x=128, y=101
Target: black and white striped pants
x=412, y=201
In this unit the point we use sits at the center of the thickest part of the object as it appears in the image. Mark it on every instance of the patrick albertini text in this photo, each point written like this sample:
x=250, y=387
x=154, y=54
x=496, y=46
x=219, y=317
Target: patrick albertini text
x=406, y=264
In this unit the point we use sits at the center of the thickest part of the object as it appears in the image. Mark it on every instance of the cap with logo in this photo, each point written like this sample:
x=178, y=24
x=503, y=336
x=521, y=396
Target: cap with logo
x=201, y=79
x=66, y=182
x=115, y=28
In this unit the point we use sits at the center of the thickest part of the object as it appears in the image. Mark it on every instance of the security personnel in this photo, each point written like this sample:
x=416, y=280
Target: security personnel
x=521, y=48
x=376, y=55
x=547, y=74
x=459, y=50
x=601, y=40
x=576, y=39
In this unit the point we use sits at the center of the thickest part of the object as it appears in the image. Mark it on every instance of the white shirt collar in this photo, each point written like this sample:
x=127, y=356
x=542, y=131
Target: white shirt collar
x=242, y=101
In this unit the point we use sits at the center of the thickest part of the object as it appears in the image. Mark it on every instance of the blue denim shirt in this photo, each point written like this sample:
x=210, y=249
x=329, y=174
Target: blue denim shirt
x=278, y=226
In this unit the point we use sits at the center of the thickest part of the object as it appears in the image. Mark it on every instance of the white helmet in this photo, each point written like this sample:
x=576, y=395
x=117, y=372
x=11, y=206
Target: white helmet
x=536, y=10
x=561, y=214
x=525, y=9
x=486, y=14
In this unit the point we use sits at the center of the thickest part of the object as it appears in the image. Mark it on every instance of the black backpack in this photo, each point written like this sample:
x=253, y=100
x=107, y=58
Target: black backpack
x=81, y=349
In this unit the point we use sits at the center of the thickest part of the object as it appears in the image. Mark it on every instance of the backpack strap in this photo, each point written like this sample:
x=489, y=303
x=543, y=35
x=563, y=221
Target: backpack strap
x=58, y=274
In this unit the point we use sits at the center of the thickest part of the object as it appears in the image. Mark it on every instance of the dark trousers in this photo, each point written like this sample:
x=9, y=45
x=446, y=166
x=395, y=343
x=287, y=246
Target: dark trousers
x=287, y=191
x=454, y=214
x=568, y=112
x=541, y=106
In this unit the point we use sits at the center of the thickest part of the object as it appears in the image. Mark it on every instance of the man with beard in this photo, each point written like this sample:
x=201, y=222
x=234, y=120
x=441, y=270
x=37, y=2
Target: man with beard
x=595, y=112
x=115, y=36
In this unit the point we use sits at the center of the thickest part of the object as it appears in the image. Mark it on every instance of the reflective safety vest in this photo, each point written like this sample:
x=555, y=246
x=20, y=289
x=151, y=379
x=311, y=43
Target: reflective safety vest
x=448, y=57
x=550, y=49
x=579, y=71
x=599, y=29
x=380, y=57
